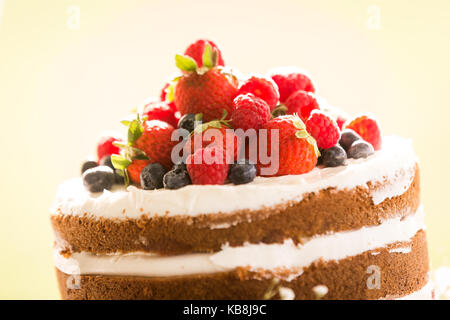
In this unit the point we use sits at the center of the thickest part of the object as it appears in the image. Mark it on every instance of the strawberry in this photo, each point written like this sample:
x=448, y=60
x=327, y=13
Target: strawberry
x=208, y=166
x=298, y=151
x=205, y=135
x=148, y=142
x=196, y=50
x=289, y=80
x=156, y=143
x=207, y=90
x=134, y=170
x=160, y=111
x=106, y=147
x=165, y=96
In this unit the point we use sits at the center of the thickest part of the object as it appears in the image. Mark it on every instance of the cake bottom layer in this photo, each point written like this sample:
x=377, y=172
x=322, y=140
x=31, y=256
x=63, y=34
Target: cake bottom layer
x=388, y=272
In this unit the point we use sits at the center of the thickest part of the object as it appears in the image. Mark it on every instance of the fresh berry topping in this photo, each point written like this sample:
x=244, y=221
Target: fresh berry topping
x=301, y=103
x=348, y=136
x=197, y=49
x=134, y=170
x=323, y=128
x=207, y=166
x=360, y=149
x=368, y=129
x=155, y=141
x=98, y=179
x=209, y=93
x=206, y=135
x=290, y=80
x=334, y=156
x=250, y=112
x=177, y=178
x=89, y=164
x=106, y=147
x=189, y=121
x=168, y=98
x=297, y=150
x=263, y=88
x=106, y=161
x=160, y=111
x=242, y=172
x=152, y=176
x=340, y=122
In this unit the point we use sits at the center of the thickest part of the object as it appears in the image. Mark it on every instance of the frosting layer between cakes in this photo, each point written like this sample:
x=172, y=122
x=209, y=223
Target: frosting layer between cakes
x=395, y=162
x=286, y=255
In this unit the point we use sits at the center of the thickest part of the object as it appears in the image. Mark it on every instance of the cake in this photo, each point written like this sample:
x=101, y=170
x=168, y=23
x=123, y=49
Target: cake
x=349, y=226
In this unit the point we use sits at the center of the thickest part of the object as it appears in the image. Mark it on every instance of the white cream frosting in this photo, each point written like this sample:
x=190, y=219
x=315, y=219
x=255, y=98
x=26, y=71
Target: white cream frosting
x=394, y=163
x=329, y=247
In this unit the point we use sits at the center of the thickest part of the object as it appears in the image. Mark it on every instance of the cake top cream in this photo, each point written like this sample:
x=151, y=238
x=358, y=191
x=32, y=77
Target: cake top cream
x=394, y=164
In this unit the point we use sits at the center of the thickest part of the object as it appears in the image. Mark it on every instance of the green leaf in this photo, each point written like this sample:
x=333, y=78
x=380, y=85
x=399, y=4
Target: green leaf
x=126, y=123
x=135, y=131
x=140, y=156
x=280, y=110
x=119, y=162
x=198, y=116
x=302, y=134
x=209, y=57
x=120, y=145
x=185, y=63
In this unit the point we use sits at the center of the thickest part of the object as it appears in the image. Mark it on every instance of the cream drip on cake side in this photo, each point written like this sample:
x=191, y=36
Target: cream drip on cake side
x=393, y=165
x=287, y=255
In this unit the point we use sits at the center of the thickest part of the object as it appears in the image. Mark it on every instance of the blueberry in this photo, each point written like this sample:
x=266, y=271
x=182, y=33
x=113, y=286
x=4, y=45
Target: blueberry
x=334, y=156
x=88, y=165
x=320, y=158
x=118, y=179
x=188, y=122
x=348, y=136
x=106, y=161
x=98, y=179
x=179, y=166
x=242, y=172
x=152, y=176
x=177, y=177
x=360, y=149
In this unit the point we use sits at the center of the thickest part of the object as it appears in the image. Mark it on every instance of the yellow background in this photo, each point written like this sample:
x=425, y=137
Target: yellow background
x=61, y=87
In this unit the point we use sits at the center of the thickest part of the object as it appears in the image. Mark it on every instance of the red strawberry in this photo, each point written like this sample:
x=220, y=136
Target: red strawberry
x=105, y=147
x=155, y=142
x=301, y=103
x=297, y=149
x=196, y=49
x=250, y=112
x=160, y=111
x=205, y=135
x=289, y=80
x=163, y=97
x=207, y=90
x=323, y=128
x=134, y=170
x=208, y=166
x=263, y=88
x=367, y=128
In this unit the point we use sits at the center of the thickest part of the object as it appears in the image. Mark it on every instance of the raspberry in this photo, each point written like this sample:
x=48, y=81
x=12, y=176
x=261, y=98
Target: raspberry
x=289, y=80
x=160, y=111
x=263, y=88
x=105, y=147
x=301, y=103
x=196, y=49
x=250, y=112
x=297, y=149
x=368, y=129
x=323, y=128
x=207, y=166
x=340, y=120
